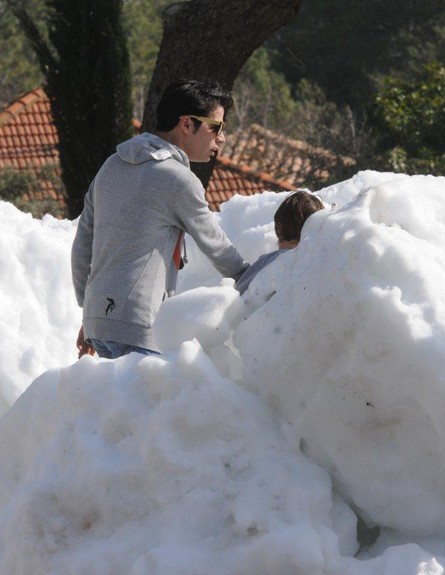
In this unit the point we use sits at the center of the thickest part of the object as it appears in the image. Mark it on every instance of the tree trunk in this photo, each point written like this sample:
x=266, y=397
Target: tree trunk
x=205, y=39
x=84, y=59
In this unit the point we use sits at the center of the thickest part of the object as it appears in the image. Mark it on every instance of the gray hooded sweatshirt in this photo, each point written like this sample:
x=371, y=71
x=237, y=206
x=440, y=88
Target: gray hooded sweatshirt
x=141, y=200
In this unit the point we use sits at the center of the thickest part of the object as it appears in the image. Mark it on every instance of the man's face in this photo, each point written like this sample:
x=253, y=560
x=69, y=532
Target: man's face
x=201, y=145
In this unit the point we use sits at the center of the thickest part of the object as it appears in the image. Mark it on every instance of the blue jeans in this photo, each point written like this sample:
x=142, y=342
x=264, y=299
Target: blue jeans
x=114, y=349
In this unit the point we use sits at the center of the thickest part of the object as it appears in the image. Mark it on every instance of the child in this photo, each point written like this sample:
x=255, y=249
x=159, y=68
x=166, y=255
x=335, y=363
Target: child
x=289, y=220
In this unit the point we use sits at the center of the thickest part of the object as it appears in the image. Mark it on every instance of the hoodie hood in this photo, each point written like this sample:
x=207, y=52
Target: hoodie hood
x=148, y=147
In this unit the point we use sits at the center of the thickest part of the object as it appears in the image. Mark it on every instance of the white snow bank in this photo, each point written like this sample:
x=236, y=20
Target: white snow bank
x=358, y=330
x=221, y=456
x=157, y=465
x=39, y=317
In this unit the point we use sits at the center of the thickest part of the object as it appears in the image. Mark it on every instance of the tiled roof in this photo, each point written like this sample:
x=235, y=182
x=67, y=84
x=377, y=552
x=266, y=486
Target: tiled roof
x=228, y=179
x=282, y=158
x=27, y=133
x=28, y=140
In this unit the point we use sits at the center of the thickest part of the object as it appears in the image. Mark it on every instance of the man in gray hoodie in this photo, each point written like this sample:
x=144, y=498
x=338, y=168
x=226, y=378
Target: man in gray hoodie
x=126, y=253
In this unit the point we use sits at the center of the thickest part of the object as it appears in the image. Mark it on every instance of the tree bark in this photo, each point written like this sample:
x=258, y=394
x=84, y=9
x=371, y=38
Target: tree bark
x=205, y=39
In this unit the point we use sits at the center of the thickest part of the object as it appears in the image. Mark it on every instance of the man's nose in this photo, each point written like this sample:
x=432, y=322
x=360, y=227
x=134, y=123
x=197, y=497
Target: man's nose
x=221, y=138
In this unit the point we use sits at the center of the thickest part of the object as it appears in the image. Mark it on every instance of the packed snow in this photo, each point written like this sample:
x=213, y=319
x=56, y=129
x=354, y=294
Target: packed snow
x=297, y=429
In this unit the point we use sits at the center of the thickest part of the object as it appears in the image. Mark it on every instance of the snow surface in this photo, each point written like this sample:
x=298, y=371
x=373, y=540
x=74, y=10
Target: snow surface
x=271, y=427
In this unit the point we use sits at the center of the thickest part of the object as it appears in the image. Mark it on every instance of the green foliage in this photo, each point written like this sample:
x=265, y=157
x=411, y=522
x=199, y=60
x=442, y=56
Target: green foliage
x=23, y=188
x=411, y=114
x=318, y=120
x=19, y=69
x=346, y=46
x=15, y=183
x=143, y=23
x=324, y=125
x=263, y=96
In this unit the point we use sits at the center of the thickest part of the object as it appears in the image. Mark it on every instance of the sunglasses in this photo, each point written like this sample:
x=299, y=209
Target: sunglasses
x=217, y=126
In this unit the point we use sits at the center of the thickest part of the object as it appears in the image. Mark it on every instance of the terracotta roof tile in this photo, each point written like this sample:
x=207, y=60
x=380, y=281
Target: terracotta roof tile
x=28, y=141
x=280, y=157
x=229, y=178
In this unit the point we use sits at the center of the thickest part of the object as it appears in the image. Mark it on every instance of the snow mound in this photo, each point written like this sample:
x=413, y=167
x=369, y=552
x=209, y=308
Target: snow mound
x=156, y=465
x=39, y=317
x=358, y=333
x=276, y=428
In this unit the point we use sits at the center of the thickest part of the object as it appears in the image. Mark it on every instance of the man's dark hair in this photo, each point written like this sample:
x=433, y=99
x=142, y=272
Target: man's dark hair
x=293, y=212
x=184, y=97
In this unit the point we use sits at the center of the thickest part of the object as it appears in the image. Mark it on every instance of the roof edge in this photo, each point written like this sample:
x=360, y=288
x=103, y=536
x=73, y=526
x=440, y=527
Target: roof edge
x=21, y=103
x=247, y=170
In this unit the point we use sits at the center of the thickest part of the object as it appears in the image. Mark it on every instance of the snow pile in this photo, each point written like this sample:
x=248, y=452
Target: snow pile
x=38, y=316
x=359, y=330
x=269, y=422
x=155, y=466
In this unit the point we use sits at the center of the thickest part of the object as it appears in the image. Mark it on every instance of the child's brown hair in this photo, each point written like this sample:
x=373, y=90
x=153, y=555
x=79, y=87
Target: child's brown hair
x=293, y=212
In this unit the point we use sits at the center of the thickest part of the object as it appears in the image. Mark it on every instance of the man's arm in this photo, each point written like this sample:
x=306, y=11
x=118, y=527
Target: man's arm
x=198, y=221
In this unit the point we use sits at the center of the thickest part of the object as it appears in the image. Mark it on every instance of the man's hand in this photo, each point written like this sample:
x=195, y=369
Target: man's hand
x=83, y=347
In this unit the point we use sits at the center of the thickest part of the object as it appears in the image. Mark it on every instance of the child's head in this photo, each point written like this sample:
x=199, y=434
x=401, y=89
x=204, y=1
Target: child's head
x=292, y=213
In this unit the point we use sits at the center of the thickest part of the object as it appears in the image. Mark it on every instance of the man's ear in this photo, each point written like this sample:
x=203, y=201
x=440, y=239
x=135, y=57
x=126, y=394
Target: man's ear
x=185, y=124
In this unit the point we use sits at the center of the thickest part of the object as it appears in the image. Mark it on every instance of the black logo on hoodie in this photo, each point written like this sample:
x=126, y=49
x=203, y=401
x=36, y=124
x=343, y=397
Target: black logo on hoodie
x=110, y=306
